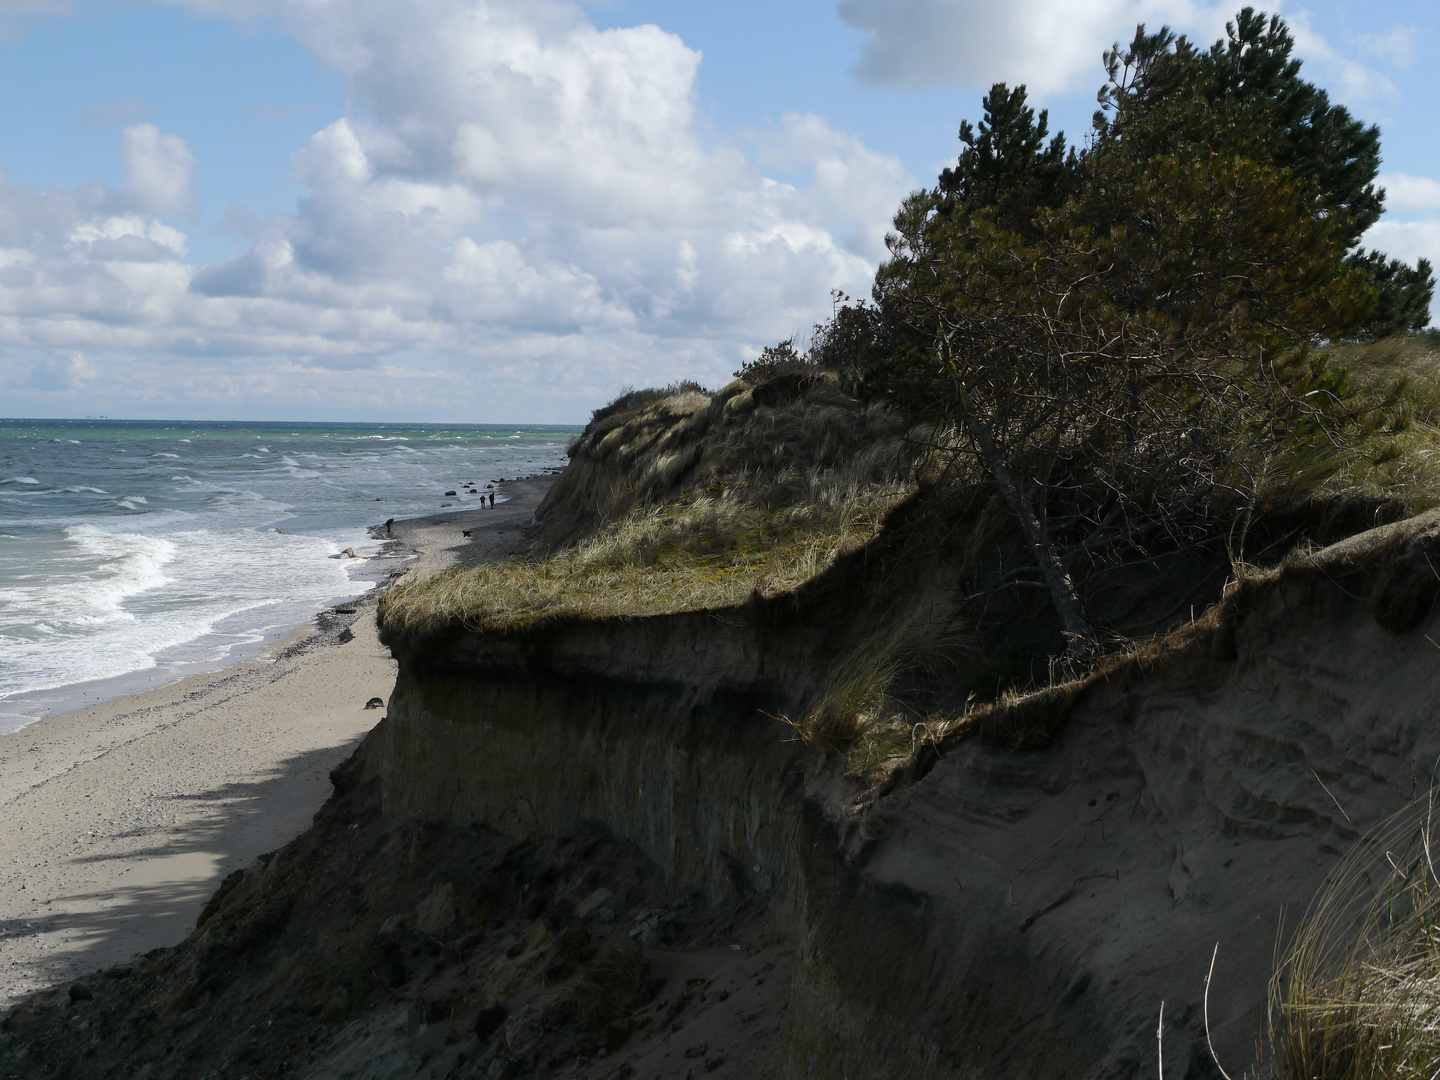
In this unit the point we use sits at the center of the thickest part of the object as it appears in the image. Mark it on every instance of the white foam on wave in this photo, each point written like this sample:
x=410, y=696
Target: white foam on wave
x=131, y=598
x=295, y=469
x=20, y=480
x=166, y=455
x=229, y=579
x=90, y=580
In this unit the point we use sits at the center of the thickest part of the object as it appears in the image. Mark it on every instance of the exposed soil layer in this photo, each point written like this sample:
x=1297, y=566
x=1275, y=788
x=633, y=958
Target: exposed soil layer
x=376, y=948
x=1061, y=864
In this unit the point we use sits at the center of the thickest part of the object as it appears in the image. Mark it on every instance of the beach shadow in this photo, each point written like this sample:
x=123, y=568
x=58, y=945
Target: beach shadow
x=155, y=901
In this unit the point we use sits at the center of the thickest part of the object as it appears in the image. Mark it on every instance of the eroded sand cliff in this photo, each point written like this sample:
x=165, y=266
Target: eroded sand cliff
x=593, y=847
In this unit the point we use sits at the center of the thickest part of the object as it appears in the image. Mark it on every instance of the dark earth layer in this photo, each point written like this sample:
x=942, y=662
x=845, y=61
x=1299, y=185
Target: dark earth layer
x=565, y=958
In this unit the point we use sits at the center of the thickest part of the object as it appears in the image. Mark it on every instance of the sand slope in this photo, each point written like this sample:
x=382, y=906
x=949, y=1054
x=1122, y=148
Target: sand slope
x=122, y=818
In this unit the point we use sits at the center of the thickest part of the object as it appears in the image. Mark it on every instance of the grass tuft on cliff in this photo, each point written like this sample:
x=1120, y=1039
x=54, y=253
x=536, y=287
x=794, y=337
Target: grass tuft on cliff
x=1357, y=996
x=869, y=711
x=685, y=501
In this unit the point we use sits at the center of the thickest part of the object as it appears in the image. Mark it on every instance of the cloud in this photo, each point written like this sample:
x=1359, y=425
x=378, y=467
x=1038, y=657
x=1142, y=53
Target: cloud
x=1049, y=45
x=1358, y=82
x=516, y=200
x=158, y=168
x=1395, y=46
x=106, y=113
x=1407, y=240
x=851, y=186
x=14, y=14
x=61, y=372
x=1053, y=46
x=1406, y=192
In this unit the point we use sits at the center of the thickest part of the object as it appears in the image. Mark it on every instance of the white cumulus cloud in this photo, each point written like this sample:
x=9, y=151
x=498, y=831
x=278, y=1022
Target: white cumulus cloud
x=1406, y=192
x=158, y=167
x=1407, y=240
x=1054, y=46
x=519, y=211
x=1049, y=45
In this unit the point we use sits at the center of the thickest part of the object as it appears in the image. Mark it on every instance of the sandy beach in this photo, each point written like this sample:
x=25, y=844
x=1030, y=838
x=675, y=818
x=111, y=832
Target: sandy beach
x=122, y=818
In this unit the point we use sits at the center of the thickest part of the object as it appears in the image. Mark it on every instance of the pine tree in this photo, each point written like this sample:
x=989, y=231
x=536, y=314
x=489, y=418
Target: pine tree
x=1116, y=334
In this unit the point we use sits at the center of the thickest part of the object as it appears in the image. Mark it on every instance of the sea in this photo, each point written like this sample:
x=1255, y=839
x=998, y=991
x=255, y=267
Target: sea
x=134, y=553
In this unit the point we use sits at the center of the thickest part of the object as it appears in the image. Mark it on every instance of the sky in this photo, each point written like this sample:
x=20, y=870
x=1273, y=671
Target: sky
x=505, y=211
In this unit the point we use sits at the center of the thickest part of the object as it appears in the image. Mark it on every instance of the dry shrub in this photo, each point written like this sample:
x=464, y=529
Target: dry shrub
x=615, y=981
x=1357, y=996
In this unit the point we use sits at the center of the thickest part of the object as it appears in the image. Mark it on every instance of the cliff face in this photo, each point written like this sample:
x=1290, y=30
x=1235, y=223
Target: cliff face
x=1010, y=913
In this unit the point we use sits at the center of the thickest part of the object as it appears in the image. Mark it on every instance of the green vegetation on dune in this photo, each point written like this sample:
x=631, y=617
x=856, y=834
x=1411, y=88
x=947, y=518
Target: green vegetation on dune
x=697, y=552
x=1390, y=391
x=711, y=499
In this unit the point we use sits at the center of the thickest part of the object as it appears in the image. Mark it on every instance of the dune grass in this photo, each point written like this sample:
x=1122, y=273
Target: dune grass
x=1390, y=392
x=869, y=711
x=700, y=551
x=704, y=504
x=1357, y=996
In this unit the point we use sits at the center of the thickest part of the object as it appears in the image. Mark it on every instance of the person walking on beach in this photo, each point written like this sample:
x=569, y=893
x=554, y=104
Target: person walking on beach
x=492, y=500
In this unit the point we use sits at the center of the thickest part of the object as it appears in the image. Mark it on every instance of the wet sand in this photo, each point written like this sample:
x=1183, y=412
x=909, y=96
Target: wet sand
x=121, y=819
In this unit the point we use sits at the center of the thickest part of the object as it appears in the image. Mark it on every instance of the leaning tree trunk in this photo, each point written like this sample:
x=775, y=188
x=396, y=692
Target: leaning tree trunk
x=1079, y=638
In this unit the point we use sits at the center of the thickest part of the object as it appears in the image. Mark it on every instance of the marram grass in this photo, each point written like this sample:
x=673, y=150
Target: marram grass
x=1357, y=995
x=861, y=716
x=1391, y=388
x=702, y=551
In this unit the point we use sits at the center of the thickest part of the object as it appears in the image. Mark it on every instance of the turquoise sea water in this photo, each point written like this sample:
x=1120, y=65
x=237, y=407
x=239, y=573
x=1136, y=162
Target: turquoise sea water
x=131, y=546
